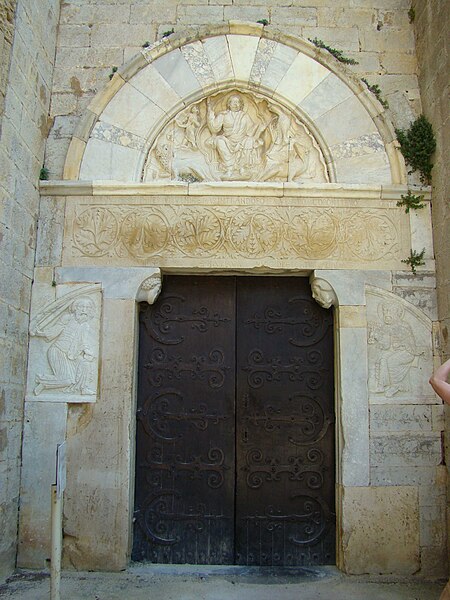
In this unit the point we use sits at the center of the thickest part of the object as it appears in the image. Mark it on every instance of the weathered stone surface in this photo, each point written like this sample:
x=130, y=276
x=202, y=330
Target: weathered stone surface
x=400, y=351
x=100, y=155
x=89, y=39
x=44, y=428
x=117, y=283
x=50, y=233
x=224, y=138
x=353, y=408
x=250, y=238
x=398, y=418
x=103, y=487
x=132, y=111
x=302, y=76
x=329, y=93
x=153, y=85
x=417, y=476
x=432, y=24
x=381, y=530
x=176, y=71
x=350, y=286
x=64, y=346
x=27, y=51
x=409, y=450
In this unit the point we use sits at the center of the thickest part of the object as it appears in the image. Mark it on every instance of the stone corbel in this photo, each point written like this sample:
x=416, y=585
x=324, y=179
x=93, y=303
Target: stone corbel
x=150, y=288
x=323, y=292
x=140, y=284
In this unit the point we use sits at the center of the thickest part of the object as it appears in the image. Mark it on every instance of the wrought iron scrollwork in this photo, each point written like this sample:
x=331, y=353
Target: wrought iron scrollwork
x=306, y=416
x=196, y=466
x=309, y=523
x=161, y=322
x=161, y=412
x=159, y=518
x=260, y=369
x=162, y=366
x=304, y=468
x=309, y=324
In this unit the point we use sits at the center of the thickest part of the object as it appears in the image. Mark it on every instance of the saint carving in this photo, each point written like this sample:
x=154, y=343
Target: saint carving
x=68, y=354
x=397, y=351
x=235, y=136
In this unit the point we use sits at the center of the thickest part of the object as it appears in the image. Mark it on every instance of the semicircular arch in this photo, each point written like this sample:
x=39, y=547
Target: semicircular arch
x=345, y=120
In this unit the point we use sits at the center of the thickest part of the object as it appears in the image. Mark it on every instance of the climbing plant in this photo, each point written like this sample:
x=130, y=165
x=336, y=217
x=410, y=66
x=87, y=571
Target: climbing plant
x=417, y=144
x=411, y=201
x=415, y=259
x=375, y=89
x=336, y=53
x=44, y=174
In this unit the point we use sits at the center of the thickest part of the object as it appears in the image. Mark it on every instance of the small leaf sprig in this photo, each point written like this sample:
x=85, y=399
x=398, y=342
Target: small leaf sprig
x=376, y=91
x=411, y=201
x=338, y=54
x=415, y=259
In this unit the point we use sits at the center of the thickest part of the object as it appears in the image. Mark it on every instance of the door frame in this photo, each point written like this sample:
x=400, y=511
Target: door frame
x=124, y=287
x=350, y=385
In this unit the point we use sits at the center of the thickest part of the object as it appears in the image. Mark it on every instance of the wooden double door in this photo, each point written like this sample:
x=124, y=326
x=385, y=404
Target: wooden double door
x=235, y=434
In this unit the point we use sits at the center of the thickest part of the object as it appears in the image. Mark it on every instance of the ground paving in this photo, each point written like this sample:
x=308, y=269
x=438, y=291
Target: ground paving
x=235, y=583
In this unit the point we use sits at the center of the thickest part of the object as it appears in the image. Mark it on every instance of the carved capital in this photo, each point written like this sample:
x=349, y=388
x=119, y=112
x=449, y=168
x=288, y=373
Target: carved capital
x=322, y=292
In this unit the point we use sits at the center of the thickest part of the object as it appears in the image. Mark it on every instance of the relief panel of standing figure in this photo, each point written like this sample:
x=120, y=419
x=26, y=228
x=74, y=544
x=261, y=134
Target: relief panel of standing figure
x=235, y=136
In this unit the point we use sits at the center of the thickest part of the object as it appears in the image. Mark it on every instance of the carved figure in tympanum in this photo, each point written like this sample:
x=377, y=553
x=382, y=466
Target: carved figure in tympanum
x=235, y=136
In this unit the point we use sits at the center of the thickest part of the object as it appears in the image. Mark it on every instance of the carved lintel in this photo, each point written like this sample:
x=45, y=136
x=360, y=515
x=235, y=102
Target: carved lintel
x=322, y=292
x=150, y=288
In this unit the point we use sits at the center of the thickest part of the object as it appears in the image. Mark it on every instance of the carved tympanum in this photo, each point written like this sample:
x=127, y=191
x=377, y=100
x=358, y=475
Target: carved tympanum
x=235, y=136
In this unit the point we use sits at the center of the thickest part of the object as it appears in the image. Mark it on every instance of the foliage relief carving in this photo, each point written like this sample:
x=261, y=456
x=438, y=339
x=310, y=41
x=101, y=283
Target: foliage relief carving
x=251, y=232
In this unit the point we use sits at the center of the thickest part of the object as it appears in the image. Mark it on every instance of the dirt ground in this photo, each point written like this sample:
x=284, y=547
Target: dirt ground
x=216, y=583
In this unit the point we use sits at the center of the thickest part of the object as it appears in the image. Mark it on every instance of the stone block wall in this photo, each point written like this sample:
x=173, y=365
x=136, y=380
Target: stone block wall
x=96, y=35
x=432, y=34
x=7, y=10
x=432, y=19
x=27, y=47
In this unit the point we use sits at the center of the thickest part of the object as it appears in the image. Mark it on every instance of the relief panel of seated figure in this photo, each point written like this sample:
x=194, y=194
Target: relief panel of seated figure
x=235, y=136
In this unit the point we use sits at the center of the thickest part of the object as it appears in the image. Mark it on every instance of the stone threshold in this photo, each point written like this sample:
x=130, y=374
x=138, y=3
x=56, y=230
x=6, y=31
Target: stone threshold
x=250, y=574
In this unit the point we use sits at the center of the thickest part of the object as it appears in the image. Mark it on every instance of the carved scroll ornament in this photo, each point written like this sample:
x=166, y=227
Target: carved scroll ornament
x=142, y=232
x=235, y=136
